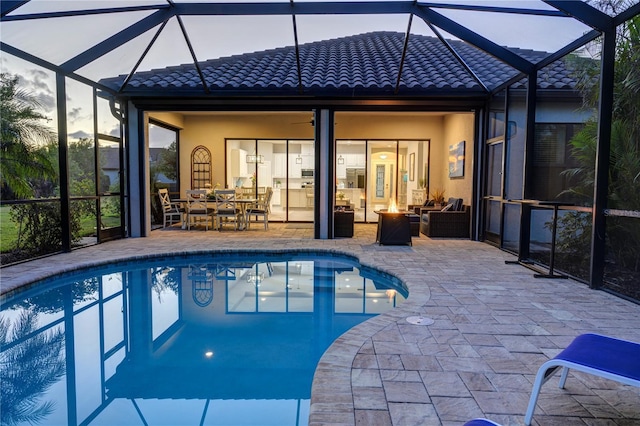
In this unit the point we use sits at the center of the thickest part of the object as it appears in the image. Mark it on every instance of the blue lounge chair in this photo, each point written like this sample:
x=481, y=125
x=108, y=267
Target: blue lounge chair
x=481, y=422
x=595, y=354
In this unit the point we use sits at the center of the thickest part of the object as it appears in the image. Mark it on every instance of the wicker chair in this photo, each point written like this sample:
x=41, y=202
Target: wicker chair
x=449, y=224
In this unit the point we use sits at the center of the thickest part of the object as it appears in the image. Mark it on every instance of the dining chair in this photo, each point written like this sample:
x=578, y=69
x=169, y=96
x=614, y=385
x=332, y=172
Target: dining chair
x=197, y=208
x=248, y=192
x=170, y=210
x=261, y=208
x=226, y=208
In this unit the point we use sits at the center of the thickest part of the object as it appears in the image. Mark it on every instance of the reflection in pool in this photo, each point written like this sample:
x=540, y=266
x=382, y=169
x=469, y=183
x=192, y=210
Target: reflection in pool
x=215, y=340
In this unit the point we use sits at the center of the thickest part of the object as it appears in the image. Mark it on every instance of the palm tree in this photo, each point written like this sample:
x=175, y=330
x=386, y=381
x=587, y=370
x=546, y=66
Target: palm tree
x=624, y=164
x=29, y=365
x=22, y=129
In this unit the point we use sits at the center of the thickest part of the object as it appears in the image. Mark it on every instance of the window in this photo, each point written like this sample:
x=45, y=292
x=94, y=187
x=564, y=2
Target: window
x=200, y=168
x=551, y=159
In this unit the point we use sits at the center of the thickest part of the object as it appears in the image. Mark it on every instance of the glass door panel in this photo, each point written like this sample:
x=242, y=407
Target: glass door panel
x=301, y=180
x=382, y=190
x=163, y=167
x=278, y=180
x=111, y=213
x=351, y=176
x=241, y=164
x=494, y=191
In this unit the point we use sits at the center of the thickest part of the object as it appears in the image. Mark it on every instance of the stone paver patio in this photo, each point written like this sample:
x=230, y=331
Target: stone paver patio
x=494, y=325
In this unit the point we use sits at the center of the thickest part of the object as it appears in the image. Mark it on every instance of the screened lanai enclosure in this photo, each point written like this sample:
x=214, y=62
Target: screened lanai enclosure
x=527, y=110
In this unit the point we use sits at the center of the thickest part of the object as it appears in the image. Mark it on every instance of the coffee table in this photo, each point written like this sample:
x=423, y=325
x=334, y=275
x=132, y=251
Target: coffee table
x=394, y=228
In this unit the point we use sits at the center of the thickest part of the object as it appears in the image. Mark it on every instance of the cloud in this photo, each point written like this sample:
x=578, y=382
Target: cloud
x=76, y=115
x=39, y=80
x=80, y=134
x=47, y=101
x=115, y=131
x=39, y=83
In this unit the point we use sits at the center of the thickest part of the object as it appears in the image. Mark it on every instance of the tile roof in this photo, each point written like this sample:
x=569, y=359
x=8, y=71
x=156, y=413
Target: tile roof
x=359, y=65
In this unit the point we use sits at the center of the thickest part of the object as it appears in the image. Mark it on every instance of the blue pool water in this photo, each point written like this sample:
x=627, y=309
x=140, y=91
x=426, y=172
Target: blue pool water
x=210, y=339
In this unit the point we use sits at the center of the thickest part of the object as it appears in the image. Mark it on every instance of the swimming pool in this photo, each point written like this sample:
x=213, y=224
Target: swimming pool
x=222, y=339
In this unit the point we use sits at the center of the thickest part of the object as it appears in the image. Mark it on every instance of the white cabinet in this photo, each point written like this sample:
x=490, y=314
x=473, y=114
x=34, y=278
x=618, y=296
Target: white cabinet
x=275, y=197
x=308, y=162
x=238, y=163
x=418, y=196
x=279, y=165
x=355, y=160
x=341, y=171
x=294, y=167
x=264, y=174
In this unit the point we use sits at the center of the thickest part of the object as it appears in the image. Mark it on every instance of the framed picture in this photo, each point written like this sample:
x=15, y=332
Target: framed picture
x=456, y=160
x=412, y=166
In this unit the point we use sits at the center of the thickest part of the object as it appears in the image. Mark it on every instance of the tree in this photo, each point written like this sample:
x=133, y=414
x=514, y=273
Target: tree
x=167, y=162
x=31, y=363
x=623, y=236
x=22, y=129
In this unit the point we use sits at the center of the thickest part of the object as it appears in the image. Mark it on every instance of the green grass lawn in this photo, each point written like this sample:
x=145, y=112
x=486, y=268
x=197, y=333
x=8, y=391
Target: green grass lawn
x=8, y=230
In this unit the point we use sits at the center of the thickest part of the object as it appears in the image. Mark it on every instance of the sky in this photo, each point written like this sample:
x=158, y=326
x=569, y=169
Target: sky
x=219, y=36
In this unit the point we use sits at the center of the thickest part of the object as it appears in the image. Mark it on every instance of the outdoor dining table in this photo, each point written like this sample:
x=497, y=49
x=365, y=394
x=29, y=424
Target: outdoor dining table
x=241, y=202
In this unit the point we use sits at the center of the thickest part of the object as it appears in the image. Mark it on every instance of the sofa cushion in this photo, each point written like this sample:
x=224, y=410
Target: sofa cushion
x=457, y=205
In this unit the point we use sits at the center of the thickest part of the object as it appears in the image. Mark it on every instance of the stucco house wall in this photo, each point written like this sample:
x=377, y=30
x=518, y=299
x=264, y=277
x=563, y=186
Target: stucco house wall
x=211, y=130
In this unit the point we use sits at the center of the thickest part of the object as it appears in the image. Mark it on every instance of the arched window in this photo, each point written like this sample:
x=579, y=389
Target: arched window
x=200, y=167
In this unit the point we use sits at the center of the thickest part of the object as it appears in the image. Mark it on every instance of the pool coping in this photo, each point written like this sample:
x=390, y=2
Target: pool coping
x=494, y=324
x=333, y=371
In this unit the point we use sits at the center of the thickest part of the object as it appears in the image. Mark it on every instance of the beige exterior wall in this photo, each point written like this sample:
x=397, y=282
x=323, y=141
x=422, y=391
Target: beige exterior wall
x=458, y=127
x=211, y=130
x=173, y=119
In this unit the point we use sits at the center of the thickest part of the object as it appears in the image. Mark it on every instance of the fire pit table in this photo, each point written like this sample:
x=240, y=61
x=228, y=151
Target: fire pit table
x=394, y=228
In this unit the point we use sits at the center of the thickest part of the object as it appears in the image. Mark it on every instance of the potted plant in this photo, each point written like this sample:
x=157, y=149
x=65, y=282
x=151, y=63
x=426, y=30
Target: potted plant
x=438, y=196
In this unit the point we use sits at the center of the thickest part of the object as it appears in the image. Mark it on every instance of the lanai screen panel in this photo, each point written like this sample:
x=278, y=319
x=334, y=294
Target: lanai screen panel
x=519, y=32
x=103, y=39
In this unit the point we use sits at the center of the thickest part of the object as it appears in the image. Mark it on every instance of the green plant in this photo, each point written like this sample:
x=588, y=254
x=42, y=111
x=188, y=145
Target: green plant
x=39, y=230
x=37, y=358
x=22, y=129
x=623, y=236
x=438, y=195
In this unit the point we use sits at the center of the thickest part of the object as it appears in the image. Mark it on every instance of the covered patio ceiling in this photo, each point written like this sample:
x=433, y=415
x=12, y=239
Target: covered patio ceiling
x=97, y=40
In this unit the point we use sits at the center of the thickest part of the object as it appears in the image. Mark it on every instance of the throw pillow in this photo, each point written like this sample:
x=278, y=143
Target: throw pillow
x=447, y=208
x=428, y=203
x=457, y=206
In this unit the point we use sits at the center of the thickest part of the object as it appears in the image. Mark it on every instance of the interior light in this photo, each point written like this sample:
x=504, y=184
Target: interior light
x=208, y=354
x=256, y=159
x=383, y=156
x=299, y=159
x=340, y=159
x=255, y=278
x=262, y=299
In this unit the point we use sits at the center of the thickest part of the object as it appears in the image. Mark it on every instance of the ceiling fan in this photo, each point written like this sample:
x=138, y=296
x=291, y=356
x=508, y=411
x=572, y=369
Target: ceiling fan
x=312, y=122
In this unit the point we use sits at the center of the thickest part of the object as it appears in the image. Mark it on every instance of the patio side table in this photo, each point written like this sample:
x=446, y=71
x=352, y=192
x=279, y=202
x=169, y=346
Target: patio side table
x=394, y=228
x=343, y=223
